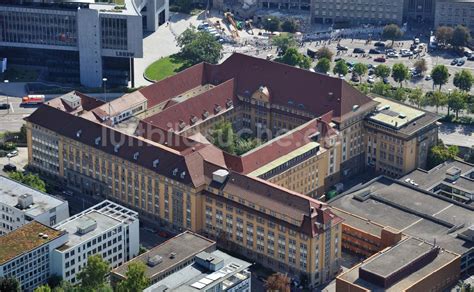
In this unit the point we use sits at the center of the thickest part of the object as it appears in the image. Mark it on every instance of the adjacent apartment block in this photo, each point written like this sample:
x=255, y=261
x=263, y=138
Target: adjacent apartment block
x=412, y=211
x=411, y=265
x=106, y=229
x=25, y=254
x=454, y=12
x=20, y=204
x=78, y=41
x=191, y=262
x=155, y=154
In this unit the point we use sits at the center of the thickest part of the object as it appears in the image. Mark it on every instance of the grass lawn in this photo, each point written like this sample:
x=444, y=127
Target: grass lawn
x=164, y=67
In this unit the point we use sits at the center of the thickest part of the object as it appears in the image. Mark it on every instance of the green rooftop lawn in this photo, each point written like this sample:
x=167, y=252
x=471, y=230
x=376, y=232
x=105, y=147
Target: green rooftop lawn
x=164, y=67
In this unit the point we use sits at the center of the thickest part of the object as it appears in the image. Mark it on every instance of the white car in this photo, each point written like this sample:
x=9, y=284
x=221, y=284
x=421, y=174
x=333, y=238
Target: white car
x=392, y=55
x=416, y=41
x=12, y=154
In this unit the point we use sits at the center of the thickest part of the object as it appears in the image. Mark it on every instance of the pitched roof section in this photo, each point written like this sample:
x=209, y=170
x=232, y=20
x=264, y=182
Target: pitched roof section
x=196, y=109
x=314, y=92
x=171, y=164
x=87, y=102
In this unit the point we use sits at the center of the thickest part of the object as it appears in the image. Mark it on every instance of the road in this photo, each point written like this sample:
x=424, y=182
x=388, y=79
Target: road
x=455, y=134
x=12, y=120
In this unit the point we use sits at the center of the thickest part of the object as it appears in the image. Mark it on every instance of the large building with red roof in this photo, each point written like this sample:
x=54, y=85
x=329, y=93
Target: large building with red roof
x=151, y=150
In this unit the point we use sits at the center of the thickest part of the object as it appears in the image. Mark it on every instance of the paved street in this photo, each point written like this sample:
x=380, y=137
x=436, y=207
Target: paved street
x=454, y=134
x=12, y=120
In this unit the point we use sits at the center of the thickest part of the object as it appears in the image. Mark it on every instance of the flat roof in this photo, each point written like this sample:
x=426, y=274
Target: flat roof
x=359, y=222
x=394, y=114
x=70, y=225
x=195, y=278
x=25, y=239
x=183, y=247
x=413, y=211
x=11, y=190
x=283, y=159
x=399, y=256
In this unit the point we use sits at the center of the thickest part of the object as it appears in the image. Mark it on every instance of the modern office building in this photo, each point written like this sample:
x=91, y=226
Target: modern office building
x=25, y=253
x=452, y=179
x=411, y=265
x=106, y=229
x=454, y=12
x=158, y=158
x=78, y=41
x=412, y=211
x=20, y=204
x=421, y=11
x=190, y=262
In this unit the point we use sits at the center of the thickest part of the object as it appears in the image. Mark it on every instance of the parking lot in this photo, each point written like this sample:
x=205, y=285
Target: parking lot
x=12, y=119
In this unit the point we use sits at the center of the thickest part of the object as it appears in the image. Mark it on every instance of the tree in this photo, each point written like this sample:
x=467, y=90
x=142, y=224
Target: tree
x=439, y=154
x=324, y=52
x=294, y=58
x=323, y=65
x=244, y=145
x=440, y=75
x=283, y=42
x=361, y=69
x=456, y=101
x=444, y=34
x=381, y=88
x=289, y=26
x=461, y=36
x=30, y=179
x=43, y=288
x=135, y=278
x=400, y=73
x=416, y=97
x=400, y=94
x=184, y=6
x=93, y=274
x=9, y=284
x=463, y=80
x=199, y=46
x=382, y=71
x=223, y=136
x=271, y=24
x=278, y=283
x=421, y=66
x=437, y=99
x=340, y=68
x=392, y=32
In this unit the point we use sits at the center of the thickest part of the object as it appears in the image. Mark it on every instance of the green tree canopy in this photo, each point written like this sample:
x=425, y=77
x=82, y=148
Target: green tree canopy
x=382, y=71
x=400, y=73
x=43, y=288
x=199, y=46
x=400, y=94
x=444, y=34
x=437, y=99
x=278, y=282
x=461, y=36
x=439, y=154
x=361, y=69
x=289, y=25
x=416, y=97
x=283, y=42
x=463, y=80
x=392, y=32
x=294, y=58
x=440, y=75
x=223, y=136
x=271, y=23
x=29, y=179
x=340, y=68
x=324, y=52
x=381, y=88
x=9, y=285
x=93, y=275
x=457, y=101
x=323, y=65
x=421, y=65
x=136, y=280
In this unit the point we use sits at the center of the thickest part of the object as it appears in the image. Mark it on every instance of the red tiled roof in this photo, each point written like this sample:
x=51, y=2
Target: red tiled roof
x=194, y=107
x=88, y=103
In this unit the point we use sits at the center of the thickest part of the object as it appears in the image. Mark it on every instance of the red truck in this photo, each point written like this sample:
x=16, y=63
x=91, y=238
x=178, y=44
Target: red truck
x=33, y=99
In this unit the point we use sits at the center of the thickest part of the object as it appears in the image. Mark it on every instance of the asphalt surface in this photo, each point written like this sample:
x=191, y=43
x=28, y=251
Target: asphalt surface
x=455, y=134
x=12, y=119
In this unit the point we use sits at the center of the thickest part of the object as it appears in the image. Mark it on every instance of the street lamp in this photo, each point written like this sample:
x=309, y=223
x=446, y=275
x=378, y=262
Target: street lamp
x=8, y=109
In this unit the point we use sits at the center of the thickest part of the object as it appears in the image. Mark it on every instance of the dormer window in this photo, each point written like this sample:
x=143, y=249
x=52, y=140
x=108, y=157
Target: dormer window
x=175, y=171
x=229, y=103
x=217, y=108
x=78, y=134
x=183, y=174
x=194, y=119
x=205, y=115
x=155, y=163
x=182, y=124
x=135, y=155
x=97, y=141
x=116, y=148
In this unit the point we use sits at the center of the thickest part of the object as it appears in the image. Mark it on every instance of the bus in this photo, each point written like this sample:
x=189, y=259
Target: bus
x=33, y=99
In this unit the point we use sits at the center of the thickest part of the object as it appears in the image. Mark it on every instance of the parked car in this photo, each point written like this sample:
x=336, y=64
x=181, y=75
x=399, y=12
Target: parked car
x=375, y=51
x=416, y=41
x=461, y=61
x=9, y=167
x=371, y=72
x=342, y=48
x=406, y=53
x=355, y=78
x=380, y=60
x=338, y=59
x=428, y=77
x=454, y=62
x=12, y=154
x=67, y=193
x=370, y=80
x=385, y=80
x=392, y=55
x=358, y=51
x=4, y=106
x=379, y=44
x=471, y=58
